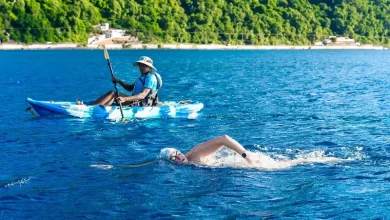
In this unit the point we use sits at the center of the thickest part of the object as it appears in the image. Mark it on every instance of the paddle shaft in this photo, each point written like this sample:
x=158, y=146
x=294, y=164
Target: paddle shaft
x=112, y=75
x=116, y=88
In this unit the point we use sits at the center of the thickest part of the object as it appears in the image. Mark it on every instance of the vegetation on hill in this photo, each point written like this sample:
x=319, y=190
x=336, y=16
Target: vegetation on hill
x=261, y=22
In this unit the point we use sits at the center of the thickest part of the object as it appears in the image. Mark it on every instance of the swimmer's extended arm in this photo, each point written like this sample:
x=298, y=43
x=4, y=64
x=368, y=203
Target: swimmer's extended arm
x=213, y=145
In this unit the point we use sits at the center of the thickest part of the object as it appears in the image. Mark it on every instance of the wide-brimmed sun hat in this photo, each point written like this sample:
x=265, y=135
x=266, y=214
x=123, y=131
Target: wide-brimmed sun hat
x=145, y=60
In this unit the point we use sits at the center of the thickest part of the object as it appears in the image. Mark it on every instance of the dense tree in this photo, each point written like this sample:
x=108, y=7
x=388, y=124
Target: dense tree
x=198, y=21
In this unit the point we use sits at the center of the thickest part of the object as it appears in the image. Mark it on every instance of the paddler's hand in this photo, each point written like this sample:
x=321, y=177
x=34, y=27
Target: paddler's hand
x=121, y=99
x=115, y=80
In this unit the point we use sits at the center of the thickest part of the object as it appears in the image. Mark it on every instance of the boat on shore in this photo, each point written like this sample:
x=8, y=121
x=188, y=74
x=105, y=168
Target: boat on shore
x=171, y=109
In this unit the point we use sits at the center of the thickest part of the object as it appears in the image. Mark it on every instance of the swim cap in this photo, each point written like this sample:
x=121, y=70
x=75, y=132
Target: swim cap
x=165, y=153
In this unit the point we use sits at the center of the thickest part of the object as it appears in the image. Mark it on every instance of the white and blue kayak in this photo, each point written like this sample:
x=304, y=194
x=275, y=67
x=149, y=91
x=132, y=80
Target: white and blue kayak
x=182, y=109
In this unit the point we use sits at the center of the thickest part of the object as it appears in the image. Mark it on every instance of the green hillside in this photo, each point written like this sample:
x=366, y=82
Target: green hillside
x=261, y=22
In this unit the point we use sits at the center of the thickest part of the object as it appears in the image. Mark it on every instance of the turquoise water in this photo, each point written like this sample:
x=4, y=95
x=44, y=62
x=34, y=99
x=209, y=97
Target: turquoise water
x=315, y=122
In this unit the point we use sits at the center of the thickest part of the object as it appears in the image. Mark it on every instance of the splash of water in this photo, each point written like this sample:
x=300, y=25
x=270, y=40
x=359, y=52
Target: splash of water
x=102, y=166
x=265, y=161
x=18, y=182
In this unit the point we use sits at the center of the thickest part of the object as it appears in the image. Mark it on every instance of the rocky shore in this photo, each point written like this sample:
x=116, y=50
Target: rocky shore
x=8, y=46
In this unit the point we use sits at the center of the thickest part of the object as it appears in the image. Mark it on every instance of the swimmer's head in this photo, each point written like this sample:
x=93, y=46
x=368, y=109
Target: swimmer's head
x=173, y=155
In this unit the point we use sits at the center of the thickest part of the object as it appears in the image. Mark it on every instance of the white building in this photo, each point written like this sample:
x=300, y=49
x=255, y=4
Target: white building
x=345, y=41
x=338, y=41
x=115, y=33
x=104, y=26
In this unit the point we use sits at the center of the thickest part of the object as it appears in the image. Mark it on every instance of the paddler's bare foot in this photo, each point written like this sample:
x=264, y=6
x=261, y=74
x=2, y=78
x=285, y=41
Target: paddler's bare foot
x=79, y=102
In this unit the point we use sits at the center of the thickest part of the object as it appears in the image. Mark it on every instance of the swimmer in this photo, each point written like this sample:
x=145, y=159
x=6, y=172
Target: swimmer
x=205, y=149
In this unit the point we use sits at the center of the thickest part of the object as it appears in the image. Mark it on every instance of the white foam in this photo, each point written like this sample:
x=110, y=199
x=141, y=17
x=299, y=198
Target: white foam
x=263, y=161
x=102, y=166
x=18, y=182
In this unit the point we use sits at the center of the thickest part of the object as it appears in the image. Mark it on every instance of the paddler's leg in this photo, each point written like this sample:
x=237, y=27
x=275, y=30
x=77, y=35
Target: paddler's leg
x=106, y=99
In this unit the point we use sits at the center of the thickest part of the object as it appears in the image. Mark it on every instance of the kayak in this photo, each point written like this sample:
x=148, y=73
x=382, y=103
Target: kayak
x=171, y=109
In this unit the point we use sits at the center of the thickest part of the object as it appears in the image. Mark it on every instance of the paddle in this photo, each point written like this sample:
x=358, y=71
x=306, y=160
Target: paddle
x=112, y=75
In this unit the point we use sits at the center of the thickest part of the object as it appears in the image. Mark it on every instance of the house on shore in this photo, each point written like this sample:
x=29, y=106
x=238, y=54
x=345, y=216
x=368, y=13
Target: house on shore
x=104, y=26
x=338, y=41
x=111, y=35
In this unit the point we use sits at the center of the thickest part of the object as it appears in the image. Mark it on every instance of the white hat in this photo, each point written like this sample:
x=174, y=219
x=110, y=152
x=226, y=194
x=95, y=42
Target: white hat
x=145, y=60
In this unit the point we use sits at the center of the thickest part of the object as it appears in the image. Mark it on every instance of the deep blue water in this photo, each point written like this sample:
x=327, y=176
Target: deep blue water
x=330, y=110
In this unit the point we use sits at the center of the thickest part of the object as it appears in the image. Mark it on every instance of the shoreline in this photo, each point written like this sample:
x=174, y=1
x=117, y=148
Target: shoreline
x=60, y=46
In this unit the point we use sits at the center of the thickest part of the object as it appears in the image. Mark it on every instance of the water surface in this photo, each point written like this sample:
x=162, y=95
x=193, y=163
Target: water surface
x=295, y=111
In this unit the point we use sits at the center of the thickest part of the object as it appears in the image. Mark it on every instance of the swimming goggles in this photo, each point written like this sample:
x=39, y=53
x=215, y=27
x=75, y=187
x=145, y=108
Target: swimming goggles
x=173, y=158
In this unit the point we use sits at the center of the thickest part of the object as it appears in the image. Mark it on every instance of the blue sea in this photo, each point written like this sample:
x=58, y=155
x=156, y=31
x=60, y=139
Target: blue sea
x=316, y=123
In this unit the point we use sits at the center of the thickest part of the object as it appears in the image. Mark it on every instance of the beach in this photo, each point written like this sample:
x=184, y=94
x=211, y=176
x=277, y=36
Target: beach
x=13, y=46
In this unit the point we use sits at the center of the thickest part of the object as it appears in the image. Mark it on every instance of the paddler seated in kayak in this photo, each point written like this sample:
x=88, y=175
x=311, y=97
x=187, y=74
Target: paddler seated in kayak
x=205, y=149
x=144, y=90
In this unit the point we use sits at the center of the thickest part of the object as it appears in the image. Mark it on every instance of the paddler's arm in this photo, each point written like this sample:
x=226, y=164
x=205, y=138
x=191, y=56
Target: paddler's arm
x=126, y=86
x=137, y=97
